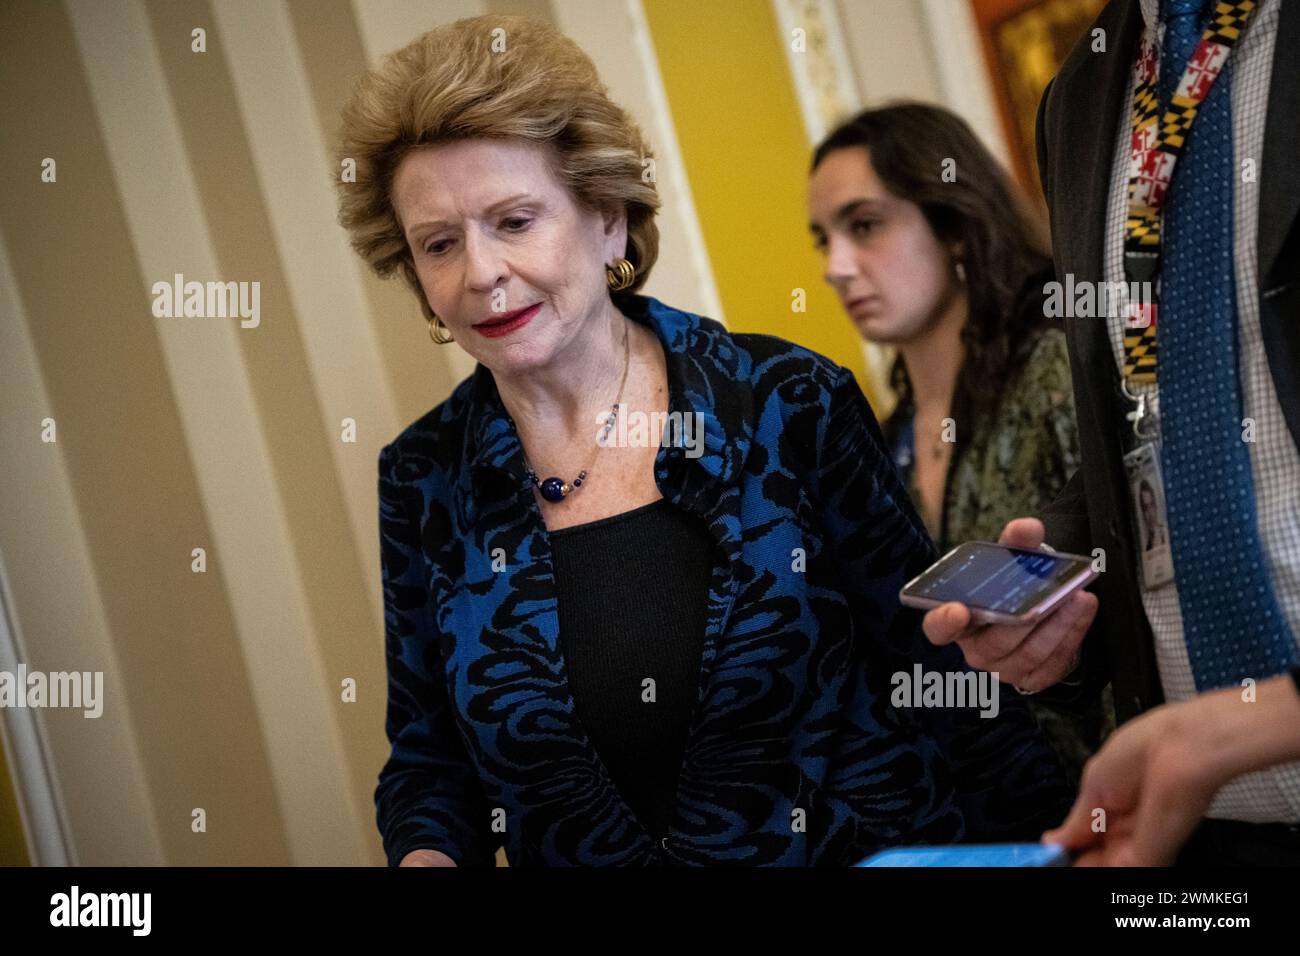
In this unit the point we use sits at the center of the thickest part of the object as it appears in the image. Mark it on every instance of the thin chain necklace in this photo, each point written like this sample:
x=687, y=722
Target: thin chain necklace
x=557, y=489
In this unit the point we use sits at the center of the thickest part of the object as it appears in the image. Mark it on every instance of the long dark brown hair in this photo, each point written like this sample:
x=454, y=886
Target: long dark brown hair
x=1005, y=245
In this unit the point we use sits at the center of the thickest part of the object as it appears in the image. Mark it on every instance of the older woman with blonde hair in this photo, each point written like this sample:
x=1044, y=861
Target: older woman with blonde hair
x=625, y=651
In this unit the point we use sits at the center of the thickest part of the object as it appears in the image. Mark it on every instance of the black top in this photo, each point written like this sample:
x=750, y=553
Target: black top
x=632, y=593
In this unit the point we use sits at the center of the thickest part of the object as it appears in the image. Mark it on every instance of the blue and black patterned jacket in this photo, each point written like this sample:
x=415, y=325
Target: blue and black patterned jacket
x=796, y=755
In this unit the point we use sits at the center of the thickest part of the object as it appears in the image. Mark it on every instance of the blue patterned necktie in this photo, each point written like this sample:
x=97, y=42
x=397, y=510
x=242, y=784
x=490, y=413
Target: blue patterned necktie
x=1232, y=623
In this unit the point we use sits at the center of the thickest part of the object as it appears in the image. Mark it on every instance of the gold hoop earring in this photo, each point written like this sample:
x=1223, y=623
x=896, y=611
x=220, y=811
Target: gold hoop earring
x=439, y=332
x=620, y=275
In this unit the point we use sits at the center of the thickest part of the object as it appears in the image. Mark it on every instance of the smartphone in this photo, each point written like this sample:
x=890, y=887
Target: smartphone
x=1000, y=584
x=973, y=854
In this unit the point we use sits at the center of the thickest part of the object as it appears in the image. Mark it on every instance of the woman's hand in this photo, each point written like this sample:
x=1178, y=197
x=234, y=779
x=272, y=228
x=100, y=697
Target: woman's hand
x=1148, y=787
x=427, y=858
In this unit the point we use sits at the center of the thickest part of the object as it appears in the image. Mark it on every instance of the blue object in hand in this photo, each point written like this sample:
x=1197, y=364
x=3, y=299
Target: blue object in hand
x=972, y=854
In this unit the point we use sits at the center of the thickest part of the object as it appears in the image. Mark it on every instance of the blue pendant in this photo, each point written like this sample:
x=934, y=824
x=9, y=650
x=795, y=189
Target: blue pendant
x=553, y=489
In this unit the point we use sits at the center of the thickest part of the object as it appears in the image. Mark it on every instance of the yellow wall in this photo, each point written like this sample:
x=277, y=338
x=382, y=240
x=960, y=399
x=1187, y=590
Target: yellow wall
x=737, y=118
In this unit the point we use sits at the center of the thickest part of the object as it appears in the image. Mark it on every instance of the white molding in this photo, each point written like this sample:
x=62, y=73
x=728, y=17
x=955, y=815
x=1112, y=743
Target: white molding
x=828, y=63
x=40, y=804
x=963, y=76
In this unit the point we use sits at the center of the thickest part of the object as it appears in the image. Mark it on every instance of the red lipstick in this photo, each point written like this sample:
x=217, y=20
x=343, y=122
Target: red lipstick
x=507, y=322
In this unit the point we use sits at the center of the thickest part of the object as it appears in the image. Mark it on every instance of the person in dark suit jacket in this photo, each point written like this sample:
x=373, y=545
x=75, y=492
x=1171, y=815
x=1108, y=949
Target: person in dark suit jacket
x=1137, y=635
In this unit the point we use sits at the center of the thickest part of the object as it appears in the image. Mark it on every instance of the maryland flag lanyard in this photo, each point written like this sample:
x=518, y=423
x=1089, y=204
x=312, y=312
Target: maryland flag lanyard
x=1154, y=151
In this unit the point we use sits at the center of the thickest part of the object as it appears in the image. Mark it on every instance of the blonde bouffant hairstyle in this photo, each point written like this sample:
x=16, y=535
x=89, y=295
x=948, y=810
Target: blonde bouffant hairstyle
x=493, y=76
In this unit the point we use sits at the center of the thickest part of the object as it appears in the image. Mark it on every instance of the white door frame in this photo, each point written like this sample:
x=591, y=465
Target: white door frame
x=27, y=752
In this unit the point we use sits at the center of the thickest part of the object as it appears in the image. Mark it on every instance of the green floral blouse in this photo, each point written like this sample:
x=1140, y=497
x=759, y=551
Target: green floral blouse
x=1014, y=465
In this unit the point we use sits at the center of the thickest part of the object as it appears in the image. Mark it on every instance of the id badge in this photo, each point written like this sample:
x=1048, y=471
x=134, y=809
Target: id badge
x=1150, y=522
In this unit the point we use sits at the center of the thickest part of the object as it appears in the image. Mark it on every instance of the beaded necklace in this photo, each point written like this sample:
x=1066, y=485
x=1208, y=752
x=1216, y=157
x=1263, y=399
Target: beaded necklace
x=556, y=489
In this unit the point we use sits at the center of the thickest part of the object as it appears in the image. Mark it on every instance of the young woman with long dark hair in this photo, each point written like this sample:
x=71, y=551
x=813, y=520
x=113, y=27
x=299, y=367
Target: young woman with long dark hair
x=932, y=250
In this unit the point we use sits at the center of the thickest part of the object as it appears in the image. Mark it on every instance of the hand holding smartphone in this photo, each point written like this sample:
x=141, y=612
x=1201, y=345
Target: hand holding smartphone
x=1029, y=656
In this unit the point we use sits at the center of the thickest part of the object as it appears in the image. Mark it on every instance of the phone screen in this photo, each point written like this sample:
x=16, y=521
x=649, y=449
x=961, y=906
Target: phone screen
x=996, y=577
x=1005, y=854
